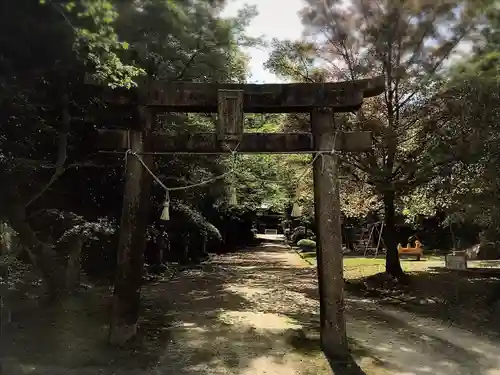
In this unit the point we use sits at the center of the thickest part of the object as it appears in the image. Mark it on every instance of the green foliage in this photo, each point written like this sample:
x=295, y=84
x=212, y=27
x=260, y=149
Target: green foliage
x=196, y=219
x=269, y=180
x=465, y=117
x=294, y=60
x=421, y=202
x=96, y=41
x=190, y=44
x=300, y=233
x=306, y=244
x=470, y=183
x=48, y=122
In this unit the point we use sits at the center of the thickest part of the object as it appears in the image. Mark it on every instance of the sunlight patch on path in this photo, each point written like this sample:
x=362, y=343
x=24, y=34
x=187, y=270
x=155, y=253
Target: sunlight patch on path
x=246, y=291
x=270, y=366
x=272, y=299
x=259, y=320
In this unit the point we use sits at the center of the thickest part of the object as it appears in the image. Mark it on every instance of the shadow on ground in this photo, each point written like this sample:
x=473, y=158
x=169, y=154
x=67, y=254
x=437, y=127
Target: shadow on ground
x=466, y=299
x=72, y=337
x=255, y=312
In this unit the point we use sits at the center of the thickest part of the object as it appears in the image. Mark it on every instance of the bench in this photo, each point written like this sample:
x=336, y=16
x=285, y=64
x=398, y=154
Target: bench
x=408, y=250
x=271, y=231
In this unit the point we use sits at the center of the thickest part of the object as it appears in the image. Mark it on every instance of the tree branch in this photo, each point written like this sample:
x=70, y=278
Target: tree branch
x=62, y=151
x=435, y=67
x=190, y=62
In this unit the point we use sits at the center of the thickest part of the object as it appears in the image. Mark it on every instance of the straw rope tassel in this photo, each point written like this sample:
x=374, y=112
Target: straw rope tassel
x=165, y=213
x=296, y=211
x=233, y=199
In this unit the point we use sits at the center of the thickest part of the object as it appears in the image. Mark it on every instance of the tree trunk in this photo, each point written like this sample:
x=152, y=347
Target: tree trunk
x=392, y=263
x=41, y=255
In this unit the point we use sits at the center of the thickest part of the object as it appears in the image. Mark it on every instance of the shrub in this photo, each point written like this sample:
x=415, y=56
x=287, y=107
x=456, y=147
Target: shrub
x=306, y=244
x=300, y=233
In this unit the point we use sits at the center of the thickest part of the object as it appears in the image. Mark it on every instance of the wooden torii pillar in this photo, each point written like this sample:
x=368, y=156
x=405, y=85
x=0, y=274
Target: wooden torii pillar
x=231, y=101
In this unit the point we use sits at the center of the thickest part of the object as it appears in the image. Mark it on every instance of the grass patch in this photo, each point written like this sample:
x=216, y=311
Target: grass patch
x=357, y=267
x=309, y=256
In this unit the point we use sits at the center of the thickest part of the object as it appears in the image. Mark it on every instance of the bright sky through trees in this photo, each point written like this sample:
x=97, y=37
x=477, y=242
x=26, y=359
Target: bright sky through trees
x=276, y=19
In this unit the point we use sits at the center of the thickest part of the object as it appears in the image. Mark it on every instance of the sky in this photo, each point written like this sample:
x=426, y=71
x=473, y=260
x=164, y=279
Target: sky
x=276, y=19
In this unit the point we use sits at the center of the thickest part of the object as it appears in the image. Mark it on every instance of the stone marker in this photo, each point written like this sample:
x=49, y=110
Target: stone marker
x=457, y=260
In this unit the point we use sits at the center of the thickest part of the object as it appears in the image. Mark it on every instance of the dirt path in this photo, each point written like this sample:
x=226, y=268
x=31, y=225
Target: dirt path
x=236, y=315
x=407, y=344
x=246, y=314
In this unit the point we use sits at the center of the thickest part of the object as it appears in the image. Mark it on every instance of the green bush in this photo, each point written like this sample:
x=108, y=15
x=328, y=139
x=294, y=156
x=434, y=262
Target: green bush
x=306, y=244
x=300, y=233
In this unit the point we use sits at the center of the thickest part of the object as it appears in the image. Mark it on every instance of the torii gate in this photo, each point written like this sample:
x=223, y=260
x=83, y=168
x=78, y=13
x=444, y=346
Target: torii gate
x=231, y=101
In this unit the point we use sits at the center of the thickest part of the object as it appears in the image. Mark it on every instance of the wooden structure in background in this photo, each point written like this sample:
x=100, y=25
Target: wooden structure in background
x=231, y=101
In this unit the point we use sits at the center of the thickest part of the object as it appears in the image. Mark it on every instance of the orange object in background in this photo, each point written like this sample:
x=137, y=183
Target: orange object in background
x=408, y=250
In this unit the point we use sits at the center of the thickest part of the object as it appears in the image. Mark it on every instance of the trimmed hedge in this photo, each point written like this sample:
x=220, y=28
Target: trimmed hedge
x=306, y=244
